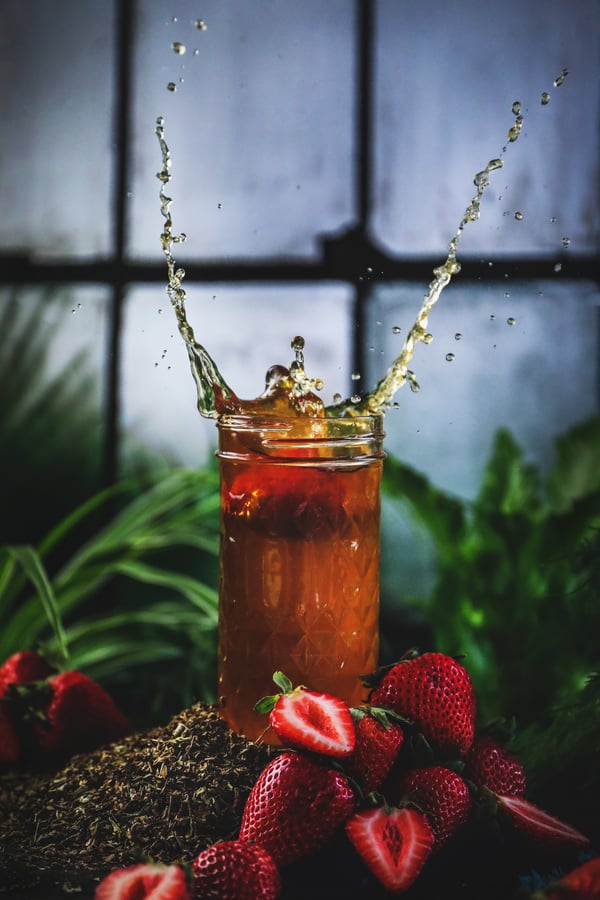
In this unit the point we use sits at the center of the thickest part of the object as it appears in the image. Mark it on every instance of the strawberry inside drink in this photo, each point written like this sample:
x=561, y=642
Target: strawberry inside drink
x=299, y=562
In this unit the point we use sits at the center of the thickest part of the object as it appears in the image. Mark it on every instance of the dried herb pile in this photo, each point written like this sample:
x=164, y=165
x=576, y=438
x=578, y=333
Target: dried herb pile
x=165, y=794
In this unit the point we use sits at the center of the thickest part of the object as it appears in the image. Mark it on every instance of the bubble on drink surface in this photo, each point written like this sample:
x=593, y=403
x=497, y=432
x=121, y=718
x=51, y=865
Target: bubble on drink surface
x=519, y=216
x=178, y=47
x=558, y=81
x=450, y=357
x=171, y=86
x=545, y=98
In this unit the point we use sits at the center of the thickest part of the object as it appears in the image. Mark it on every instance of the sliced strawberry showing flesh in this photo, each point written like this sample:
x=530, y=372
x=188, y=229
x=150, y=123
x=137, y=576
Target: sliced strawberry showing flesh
x=394, y=844
x=309, y=720
x=582, y=883
x=539, y=825
x=145, y=880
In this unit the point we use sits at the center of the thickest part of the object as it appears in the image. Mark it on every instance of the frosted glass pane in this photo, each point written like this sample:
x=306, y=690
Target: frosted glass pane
x=537, y=376
x=260, y=126
x=447, y=76
x=56, y=140
x=246, y=330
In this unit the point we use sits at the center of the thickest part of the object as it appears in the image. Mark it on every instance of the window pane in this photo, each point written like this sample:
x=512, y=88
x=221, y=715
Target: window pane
x=245, y=330
x=260, y=126
x=56, y=141
x=536, y=377
x=51, y=377
x=446, y=78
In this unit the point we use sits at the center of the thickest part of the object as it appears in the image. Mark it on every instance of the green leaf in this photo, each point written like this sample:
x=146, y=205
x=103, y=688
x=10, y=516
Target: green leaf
x=266, y=704
x=32, y=565
x=283, y=682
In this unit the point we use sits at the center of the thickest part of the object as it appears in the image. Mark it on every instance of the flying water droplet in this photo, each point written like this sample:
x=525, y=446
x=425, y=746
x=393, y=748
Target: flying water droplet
x=516, y=108
x=178, y=47
x=172, y=87
x=511, y=321
x=201, y=25
x=566, y=241
x=558, y=81
x=558, y=267
x=458, y=336
x=396, y=329
x=450, y=357
x=545, y=98
x=519, y=216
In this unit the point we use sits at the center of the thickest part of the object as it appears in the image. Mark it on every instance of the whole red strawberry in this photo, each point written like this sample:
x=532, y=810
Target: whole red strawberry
x=394, y=843
x=295, y=807
x=378, y=742
x=489, y=764
x=436, y=693
x=440, y=793
x=10, y=745
x=145, y=880
x=22, y=667
x=235, y=870
x=78, y=715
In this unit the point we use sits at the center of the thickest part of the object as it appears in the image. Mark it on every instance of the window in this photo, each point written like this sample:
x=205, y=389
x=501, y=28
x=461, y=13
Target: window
x=323, y=155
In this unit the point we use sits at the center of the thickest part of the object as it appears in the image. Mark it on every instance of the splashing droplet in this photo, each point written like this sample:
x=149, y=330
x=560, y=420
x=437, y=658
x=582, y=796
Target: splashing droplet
x=337, y=398
x=566, y=241
x=519, y=216
x=511, y=321
x=427, y=338
x=355, y=376
x=458, y=336
x=516, y=107
x=558, y=81
x=545, y=98
x=450, y=357
x=558, y=267
x=178, y=47
x=396, y=329
x=201, y=25
x=172, y=87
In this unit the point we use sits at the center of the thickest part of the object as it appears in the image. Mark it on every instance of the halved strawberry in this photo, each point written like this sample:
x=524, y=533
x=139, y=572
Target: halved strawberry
x=582, y=883
x=235, y=870
x=308, y=720
x=142, y=881
x=394, y=843
x=538, y=825
x=295, y=807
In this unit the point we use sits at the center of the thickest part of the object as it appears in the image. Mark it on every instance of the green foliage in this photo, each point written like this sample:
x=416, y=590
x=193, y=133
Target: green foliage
x=50, y=441
x=511, y=569
x=119, y=608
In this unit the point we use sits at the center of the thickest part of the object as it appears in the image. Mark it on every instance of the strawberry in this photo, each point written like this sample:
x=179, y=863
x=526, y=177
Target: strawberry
x=435, y=692
x=394, y=843
x=235, y=870
x=10, y=745
x=489, y=764
x=149, y=880
x=539, y=826
x=378, y=742
x=78, y=715
x=583, y=883
x=21, y=667
x=308, y=720
x=438, y=792
x=287, y=501
x=295, y=806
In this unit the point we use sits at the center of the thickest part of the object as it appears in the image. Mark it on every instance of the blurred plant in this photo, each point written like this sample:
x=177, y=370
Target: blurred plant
x=513, y=566
x=113, y=609
x=50, y=424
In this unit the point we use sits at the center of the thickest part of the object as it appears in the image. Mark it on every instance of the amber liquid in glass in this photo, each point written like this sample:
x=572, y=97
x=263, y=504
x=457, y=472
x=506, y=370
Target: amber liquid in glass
x=299, y=574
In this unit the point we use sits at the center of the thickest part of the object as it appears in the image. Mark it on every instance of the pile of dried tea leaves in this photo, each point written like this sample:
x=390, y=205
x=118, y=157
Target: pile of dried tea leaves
x=164, y=794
